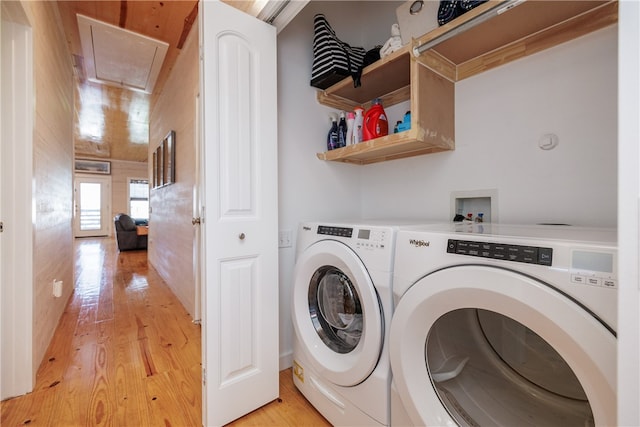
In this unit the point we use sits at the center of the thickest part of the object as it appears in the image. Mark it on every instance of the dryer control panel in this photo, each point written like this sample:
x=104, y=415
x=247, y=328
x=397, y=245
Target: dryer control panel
x=504, y=252
x=594, y=268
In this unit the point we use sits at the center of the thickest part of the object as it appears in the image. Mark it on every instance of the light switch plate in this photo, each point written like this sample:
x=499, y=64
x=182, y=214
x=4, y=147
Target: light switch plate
x=284, y=239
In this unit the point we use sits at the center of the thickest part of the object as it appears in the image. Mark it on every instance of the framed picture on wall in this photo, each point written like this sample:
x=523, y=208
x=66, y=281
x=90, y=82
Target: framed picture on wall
x=154, y=170
x=158, y=166
x=169, y=145
x=164, y=157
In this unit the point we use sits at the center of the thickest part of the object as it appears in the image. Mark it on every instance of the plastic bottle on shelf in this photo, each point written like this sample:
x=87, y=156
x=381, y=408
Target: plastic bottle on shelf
x=375, y=122
x=351, y=118
x=405, y=124
x=332, y=136
x=342, y=131
x=358, y=125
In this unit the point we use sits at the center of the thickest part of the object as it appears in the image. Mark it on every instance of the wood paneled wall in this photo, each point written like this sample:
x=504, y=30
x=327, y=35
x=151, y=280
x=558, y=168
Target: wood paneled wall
x=171, y=234
x=121, y=171
x=53, y=171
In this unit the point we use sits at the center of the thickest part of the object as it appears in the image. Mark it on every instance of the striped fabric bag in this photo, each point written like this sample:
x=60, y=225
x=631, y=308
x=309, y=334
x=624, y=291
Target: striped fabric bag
x=333, y=60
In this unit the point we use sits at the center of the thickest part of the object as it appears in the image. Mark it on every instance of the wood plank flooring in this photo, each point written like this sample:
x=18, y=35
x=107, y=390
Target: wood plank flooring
x=126, y=353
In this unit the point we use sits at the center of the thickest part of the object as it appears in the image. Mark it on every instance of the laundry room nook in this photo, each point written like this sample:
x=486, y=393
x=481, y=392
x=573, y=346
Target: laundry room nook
x=534, y=143
x=501, y=118
x=369, y=213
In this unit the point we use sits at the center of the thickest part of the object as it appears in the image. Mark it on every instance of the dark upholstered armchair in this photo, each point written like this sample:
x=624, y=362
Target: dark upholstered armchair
x=127, y=234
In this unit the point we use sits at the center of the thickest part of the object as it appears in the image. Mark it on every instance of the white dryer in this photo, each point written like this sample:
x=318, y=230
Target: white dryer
x=499, y=325
x=341, y=311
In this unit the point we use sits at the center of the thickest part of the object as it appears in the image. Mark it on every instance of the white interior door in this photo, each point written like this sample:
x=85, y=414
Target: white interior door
x=197, y=216
x=240, y=228
x=92, y=210
x=16, y=159
x=628, y=213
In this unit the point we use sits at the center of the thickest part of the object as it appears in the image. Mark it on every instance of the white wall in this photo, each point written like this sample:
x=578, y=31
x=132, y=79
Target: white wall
x=569, y=90
x=308, y=187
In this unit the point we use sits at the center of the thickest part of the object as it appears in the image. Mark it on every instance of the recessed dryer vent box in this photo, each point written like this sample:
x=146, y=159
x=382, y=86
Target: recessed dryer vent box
x=475, y=202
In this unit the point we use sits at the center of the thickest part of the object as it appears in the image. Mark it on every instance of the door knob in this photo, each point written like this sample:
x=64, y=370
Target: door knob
x=241, y=236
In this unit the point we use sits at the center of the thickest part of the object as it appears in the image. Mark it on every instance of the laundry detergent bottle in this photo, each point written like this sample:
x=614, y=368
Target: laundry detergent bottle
x=332, y=136
x=375, y=122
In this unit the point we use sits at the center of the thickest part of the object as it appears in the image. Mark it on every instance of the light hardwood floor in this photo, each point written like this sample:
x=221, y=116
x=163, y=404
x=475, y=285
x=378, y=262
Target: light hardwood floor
x=127, y=354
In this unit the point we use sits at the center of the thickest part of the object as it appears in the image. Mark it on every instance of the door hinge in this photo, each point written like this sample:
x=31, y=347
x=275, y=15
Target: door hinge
x=1, y=226
x=204, y=376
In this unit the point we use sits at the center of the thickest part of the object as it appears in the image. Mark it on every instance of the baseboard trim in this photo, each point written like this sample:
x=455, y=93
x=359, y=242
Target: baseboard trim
x=286, y=360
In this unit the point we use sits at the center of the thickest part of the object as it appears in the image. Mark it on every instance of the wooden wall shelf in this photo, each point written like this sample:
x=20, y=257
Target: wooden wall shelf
x=388, y=79
x=393, y=146
x=428, y=80
x=528, y=28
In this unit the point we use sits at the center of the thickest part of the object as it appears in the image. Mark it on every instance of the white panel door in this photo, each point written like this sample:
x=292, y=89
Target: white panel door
x=240, y=294
x=628, y=213
x=197, y=215
x=17, y=372
x=92, y=214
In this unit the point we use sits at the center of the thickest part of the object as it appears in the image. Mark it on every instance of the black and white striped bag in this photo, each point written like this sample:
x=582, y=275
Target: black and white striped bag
x=333, y=60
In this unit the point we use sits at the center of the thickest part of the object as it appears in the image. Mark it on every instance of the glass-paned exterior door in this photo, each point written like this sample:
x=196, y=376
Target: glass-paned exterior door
x=92, y=208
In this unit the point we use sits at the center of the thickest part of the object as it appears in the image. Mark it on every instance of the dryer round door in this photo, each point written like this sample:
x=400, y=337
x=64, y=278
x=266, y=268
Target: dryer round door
x=336, y=313
x=479, y=345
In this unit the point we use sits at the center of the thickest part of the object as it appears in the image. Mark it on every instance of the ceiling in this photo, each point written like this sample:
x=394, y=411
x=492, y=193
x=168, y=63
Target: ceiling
x=119, y=57
x=112, y=121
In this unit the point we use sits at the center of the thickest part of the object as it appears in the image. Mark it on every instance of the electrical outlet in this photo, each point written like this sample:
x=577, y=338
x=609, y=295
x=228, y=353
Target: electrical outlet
x=284, y=239
x=57, y=288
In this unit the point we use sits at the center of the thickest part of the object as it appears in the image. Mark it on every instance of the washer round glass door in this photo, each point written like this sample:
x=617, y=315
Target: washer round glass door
x=336, y=313
x=478, y=345
x=335, y=309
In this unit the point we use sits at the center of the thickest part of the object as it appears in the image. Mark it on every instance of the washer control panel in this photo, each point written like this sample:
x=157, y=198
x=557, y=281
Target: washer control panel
x=505, y=252
x=335, y=231
x=365, y=238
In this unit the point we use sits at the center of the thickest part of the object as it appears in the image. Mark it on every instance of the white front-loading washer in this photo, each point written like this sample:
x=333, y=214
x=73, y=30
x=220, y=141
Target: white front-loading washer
x=498, y=325
x=341, y=311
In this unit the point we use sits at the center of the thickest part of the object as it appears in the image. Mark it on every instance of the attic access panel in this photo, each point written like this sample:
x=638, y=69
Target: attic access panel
x=120, y=57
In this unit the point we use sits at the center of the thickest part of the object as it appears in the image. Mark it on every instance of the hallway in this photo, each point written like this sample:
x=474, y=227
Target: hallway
x=126, y=353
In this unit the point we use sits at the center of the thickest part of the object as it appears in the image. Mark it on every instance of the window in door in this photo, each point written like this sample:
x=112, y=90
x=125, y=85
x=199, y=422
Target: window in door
x=92, y=216
x=139, y=198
